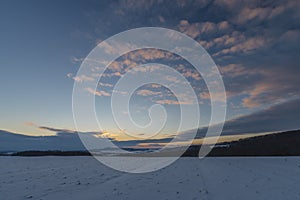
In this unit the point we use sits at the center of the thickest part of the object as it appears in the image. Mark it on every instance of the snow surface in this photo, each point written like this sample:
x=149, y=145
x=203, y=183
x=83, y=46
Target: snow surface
x=79, y=178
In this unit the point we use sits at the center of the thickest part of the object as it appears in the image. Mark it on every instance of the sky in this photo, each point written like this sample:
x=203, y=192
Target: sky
x=255, y=45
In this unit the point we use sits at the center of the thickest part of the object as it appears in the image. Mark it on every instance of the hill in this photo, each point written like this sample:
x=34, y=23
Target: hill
x=276, y=144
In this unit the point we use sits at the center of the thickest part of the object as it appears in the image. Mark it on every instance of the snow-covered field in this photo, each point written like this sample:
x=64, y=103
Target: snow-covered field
x=79, y=178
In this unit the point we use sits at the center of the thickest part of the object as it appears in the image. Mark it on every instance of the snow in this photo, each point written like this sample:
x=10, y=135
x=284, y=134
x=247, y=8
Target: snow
x=79, y=178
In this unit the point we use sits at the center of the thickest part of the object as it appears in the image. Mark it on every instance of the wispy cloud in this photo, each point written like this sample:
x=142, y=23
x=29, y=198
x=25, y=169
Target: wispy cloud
x=32, y=124
x=57, y=130
x=148, y=93
x=98, y=93
x=105, y=84
x=82, y=78
x=174, y=102
x=195, y=30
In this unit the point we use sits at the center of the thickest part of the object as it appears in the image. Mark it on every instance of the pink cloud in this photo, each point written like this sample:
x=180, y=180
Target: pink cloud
x=148, y=93
x=98, y=93
x=83, y=78
x=196, y=29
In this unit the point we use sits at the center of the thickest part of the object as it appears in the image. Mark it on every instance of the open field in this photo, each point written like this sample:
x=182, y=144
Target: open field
x=188, y=178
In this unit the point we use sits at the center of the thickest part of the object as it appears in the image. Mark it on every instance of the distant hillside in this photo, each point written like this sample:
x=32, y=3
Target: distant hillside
x=50, y=153
x=277, y=144
x=11, y=142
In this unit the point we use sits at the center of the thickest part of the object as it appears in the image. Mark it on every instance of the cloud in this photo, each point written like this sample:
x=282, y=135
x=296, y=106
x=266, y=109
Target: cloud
x=139, y=13
x=83, y=78
x=110, y=74
x=224, y=41
x=57, y=130
x=255, y=98
x=155, y=85
x=76, y=60
x=255, y=43
x=150, y=54
x=98, y=93
x=69, y=75
x=258, y=87
x=145, y=92
x=173, y=102
x=264, y=13
x=191, y=73
x=131, y=60
x=115, y=48
x=235, y=70
x=105, y=84
x=32, y=124
x=262, y=71
x=255, y=13
x=195, y=30
x=217, y=96
x=280, y=117
x=229, y=4
x=246, y=46
x=263, y=95
x=276, y=85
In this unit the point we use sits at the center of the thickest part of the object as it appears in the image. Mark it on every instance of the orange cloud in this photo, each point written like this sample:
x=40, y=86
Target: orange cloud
x=246, y=46
x=31, y=124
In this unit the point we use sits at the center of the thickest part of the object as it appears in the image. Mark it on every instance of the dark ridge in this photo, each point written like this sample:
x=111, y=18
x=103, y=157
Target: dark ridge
x=51, y=153
x=33, y=153
x=276, y=144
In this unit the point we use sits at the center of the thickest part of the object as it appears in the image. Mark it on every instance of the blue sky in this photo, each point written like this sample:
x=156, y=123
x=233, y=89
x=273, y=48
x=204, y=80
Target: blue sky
x=255, y=45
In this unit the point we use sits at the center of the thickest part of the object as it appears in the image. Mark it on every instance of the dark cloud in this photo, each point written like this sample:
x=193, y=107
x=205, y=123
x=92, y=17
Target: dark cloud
x=56, y=130
x=280, y=117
